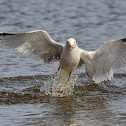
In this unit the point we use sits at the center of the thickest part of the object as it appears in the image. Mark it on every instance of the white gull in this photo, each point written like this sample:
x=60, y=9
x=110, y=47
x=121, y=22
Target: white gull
x=99, y=64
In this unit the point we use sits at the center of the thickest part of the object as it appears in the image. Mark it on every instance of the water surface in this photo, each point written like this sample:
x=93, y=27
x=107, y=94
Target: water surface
x=24, y=82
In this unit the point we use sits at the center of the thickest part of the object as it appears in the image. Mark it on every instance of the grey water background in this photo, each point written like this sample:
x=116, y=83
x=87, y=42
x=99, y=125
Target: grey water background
x=23, y=80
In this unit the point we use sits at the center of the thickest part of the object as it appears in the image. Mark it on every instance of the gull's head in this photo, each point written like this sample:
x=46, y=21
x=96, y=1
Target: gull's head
x=71, y=43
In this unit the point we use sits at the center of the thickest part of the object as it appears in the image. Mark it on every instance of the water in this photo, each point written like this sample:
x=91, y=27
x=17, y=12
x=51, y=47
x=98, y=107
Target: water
x=24, y=81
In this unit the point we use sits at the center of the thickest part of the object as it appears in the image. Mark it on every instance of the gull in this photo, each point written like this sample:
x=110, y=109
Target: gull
x=99, y=64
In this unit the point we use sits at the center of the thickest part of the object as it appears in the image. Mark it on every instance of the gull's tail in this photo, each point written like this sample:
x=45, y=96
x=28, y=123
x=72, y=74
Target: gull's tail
x=64, y=77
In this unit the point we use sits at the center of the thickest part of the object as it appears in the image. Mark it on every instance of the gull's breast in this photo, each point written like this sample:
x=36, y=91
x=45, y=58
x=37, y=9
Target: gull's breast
x=69, y=61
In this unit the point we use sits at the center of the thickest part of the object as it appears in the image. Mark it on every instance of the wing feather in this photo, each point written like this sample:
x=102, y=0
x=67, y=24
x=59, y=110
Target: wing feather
x=101, y=63
x=37, y=44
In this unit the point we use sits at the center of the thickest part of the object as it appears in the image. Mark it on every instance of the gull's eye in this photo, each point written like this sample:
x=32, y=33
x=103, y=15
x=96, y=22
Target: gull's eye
x=74, y=42
x=67, y=41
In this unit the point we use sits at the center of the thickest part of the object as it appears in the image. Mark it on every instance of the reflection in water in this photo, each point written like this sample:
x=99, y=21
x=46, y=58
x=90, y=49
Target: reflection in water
x=89, y=104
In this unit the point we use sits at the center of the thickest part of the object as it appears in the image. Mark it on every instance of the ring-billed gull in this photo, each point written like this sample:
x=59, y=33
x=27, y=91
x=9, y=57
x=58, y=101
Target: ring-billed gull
x=99, y=64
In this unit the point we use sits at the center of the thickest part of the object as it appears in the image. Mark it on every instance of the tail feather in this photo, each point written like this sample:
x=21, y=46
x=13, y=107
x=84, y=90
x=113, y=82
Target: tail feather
x=64, y=76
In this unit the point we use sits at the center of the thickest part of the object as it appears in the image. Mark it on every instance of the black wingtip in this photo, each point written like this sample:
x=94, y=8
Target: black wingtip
x=5, y=34
x=123, y=40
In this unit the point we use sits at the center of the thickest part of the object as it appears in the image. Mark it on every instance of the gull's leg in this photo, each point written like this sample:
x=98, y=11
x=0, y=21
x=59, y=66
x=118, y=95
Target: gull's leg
x=56, y=72
x=69, y=77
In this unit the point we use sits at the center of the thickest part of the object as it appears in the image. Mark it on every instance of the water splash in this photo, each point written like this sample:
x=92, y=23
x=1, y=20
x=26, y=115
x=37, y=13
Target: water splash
x=56, y=89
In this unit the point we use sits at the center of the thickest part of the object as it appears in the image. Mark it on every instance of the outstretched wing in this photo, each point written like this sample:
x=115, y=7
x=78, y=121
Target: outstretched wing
x=37, y=44
x=100, y=64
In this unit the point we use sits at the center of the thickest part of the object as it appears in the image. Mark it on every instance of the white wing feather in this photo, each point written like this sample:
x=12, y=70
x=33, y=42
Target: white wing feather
x=37, y=44
x=101, y=63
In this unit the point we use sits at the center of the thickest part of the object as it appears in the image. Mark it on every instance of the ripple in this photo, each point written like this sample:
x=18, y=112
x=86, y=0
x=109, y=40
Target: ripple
x=33, y=89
